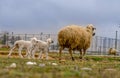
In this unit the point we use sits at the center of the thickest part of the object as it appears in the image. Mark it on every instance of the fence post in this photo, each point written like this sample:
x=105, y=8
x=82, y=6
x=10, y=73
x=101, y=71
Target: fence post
x=41, y=35
x=116, y=40
x=12, y=39
x=7, y=38
x=25, y=36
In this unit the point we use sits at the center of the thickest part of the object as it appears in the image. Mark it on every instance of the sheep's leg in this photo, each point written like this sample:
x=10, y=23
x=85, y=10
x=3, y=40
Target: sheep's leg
x=70, y=51
x=33, y=53
x=84, y=52
x=30, y=52
x=80, y=54
x=11, y=51
x=60, y=51
x=20, y=52
x=26, y=53
x=47, y=54
x=40, y=54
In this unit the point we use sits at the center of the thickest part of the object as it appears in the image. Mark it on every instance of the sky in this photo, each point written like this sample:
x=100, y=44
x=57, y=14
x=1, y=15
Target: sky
x=48, y=16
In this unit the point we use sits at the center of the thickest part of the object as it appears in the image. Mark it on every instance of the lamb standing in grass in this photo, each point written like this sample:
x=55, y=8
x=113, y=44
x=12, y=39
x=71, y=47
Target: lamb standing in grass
x=43, y=47
x=20, y=44
x=75, y=38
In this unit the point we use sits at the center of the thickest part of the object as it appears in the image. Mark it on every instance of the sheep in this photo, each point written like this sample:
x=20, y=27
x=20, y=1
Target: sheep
x=112, y=51
x=75, y=38
x=42, y=46
x=20, y=44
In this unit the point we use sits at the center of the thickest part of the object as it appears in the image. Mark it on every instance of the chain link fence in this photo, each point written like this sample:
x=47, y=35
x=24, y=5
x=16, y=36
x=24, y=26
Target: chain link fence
x=99, y=45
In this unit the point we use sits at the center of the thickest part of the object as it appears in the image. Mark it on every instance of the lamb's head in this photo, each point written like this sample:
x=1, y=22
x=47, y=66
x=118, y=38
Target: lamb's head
x=91, y=28
x=33, y=40
x=49, y=40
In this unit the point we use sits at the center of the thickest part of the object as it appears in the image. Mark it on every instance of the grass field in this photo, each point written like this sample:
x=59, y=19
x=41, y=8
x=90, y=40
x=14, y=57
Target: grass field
x=92, y=67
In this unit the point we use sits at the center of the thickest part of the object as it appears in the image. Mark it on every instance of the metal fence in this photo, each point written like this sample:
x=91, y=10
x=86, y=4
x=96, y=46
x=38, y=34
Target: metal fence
x=100, y=45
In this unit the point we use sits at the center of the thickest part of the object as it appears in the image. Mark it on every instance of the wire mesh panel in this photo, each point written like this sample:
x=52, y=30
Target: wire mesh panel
x=99, y=45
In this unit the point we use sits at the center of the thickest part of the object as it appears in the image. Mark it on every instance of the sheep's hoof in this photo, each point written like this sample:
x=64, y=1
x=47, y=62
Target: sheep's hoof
x=47, y=59
x=33, y=57
x=28, y=57
x=21, y=57
x=8, y=56
x=73, y=59
x=38, y=58
x=59, y=59
x=25, y=56
x=80, y=57
x=62, y=61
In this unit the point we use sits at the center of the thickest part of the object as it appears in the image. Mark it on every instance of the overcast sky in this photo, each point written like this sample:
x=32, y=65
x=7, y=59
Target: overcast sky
x=48, y=16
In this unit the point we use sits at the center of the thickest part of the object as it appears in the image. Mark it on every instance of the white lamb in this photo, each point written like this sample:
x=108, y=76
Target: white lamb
x=20, y=44
x=42, y=46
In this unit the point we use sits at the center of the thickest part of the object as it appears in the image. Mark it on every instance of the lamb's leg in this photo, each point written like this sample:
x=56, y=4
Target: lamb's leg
x=29, y=52
x=47, y=54
x=11, y=51
x=26, y=55
x=70, y=51
x=40, y=54
x=33, y=53
x=20, y=52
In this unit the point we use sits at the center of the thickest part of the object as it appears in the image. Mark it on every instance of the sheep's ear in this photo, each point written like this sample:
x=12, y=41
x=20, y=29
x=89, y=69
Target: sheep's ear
x=36, y=41
x=88, y=28
x=93, y=29
x=52, y=41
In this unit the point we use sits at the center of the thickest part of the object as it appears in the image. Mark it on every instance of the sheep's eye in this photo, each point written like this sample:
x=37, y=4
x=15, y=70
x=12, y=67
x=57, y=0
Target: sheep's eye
x=93, y=29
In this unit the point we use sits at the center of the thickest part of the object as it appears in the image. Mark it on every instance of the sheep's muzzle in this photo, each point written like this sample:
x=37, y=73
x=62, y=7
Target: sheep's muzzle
x=52, y=42
x=93, y=34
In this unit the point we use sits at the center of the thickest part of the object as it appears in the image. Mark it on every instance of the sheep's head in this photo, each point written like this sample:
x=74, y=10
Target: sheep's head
x=34, y=38
x=112, y=51
x=91, y=28
x=49, y=40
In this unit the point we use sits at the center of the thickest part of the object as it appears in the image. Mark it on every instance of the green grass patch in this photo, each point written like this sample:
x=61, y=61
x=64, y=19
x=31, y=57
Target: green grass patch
x=101, y=67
